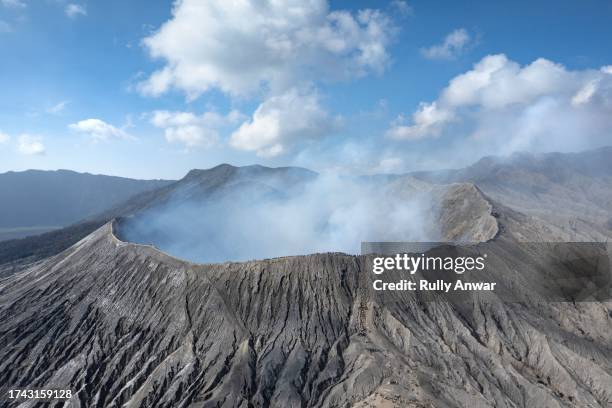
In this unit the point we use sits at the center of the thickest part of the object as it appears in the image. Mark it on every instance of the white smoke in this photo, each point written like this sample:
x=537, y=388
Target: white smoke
x=328, y=214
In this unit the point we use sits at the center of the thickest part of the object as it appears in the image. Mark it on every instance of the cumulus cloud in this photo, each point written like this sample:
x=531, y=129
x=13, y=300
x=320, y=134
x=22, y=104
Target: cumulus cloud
x=74, y=10
x=99, y=130
x=454, y=44
x=428, y=120
x=507, y=107
x=30, y=145
x=13, y=3
x=193, y=130
x=496, y=82
x=284, y=121
x=238, y=47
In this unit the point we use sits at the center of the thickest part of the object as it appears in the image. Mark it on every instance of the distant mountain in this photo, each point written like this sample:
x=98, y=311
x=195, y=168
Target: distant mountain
x=196, y=185
x=562, y=188
x=557, y=166
x=35, y=201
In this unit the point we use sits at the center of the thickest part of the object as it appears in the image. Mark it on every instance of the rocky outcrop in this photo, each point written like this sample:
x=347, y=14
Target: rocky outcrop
x=459, y=212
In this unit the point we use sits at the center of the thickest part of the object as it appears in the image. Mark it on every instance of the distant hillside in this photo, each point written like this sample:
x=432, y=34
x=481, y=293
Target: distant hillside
x=575, y=187
x=34, y=201
x=196, y=185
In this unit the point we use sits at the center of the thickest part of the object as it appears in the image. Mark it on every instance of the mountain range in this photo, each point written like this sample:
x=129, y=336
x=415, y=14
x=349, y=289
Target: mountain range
x=123, y=323
x=36, y=201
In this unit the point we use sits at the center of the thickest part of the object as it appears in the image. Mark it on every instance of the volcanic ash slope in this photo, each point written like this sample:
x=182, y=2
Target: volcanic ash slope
x=126, y=325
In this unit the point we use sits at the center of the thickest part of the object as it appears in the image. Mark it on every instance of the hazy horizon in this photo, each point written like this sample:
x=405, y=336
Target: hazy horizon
x=329, y=172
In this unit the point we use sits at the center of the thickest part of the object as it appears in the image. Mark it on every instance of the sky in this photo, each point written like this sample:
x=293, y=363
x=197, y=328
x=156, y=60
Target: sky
x=153, y=89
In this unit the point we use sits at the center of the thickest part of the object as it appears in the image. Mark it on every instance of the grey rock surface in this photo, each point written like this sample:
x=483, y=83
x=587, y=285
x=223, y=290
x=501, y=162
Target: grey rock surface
x=123, y=324
x=571, y=191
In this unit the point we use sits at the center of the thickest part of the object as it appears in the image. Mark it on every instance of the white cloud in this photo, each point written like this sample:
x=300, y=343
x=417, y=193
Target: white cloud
x=240, y=46
x=99, y=130
x=496, y=82
x=428, y=120
x=193, y=130
x=284, y=121
x=586, y=93
x=454, y=44
x=505, y=107
x=402, y=7
x=13, y=3
x=57, y=108
x=30, y=145
x=74, y=10
x=607, y=69
x=4, y=138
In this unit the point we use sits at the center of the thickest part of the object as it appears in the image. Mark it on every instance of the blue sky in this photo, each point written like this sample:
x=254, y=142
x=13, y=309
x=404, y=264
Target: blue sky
x=355, y=87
